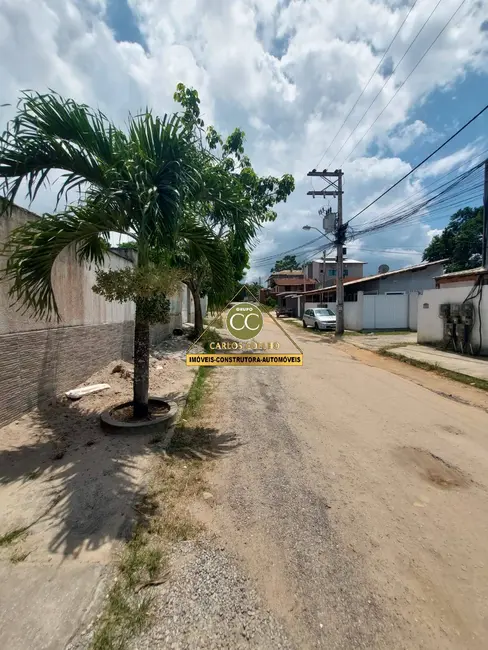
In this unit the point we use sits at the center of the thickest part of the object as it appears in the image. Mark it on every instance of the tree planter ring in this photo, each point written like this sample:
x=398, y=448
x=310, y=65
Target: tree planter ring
x=159, y=424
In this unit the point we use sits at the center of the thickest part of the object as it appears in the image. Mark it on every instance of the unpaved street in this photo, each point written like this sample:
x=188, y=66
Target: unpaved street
x=357, y=499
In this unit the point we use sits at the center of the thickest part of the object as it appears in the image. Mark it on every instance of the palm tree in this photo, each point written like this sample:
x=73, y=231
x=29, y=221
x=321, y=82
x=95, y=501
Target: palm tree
x=135, y=182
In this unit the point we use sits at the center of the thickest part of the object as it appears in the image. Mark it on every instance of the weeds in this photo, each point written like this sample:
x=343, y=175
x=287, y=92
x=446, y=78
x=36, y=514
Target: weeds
x=197, y=392
x=164, y=519
x=12, y=536
x=482, y=384
x=214, y=321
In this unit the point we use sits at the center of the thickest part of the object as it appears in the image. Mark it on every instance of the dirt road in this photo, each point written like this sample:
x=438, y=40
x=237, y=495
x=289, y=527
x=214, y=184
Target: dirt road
x=357, y=499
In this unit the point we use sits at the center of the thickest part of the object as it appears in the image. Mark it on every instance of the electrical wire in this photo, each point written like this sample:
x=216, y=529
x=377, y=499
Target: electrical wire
x=442, y=197
x=402, y=85
x=367, y=84
x=411, y=199
x=387, y=80
x=422, y=162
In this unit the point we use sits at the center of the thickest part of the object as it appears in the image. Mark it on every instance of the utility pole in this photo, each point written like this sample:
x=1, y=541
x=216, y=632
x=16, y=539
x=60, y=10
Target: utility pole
x=323, y=269
x=484, y=251
x=340, y=240
x=333, y=187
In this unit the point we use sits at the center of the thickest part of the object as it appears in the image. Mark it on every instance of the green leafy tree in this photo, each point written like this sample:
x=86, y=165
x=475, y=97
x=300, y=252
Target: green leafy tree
x=136, y=182
x=460, y=242
x=288, y=263
x=236, y=229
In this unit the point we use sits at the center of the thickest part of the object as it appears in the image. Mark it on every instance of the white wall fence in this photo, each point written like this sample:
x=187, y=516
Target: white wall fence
x=377, y=312
x=430, y=324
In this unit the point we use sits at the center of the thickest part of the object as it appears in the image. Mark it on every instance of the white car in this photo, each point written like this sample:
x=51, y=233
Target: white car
x=320, y=319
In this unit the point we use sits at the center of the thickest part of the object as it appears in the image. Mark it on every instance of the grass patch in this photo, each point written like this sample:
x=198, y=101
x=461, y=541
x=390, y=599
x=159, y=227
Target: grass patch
x=482, y=384
x=164, y=520
x=385, y=332
x=208, y=337
x=144, y=560
x=197, y=392
x=215, y=320
x=13, y=536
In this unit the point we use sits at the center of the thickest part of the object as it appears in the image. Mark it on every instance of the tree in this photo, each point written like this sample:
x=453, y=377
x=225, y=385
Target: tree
x=136, y=182
x=288, y=263
x=236, y=229
x=460, y=242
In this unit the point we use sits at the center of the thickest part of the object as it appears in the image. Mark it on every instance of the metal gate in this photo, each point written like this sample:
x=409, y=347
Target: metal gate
x=387, y=312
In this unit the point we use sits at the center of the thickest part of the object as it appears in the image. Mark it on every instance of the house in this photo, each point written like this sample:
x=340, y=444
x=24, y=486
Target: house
x=415, y=278
x=353, y=270
x=381, y=301
x=465, y=278
x=286, y=281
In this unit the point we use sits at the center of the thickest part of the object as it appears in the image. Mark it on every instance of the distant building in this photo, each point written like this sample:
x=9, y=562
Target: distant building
x=418, y=278
x=461, y=278
x=281, y=281
x=353, y=270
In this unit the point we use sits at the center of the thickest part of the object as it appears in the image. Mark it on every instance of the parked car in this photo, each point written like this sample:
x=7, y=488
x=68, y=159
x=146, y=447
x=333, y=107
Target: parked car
x=283, y=311
x=321, y=318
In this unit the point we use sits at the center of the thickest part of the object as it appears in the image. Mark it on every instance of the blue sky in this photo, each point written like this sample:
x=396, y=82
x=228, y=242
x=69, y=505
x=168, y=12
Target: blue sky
x=287, y=72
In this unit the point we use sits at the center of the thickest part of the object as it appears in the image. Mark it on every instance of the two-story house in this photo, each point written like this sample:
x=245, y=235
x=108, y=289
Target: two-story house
x=281, y=281
x=353, y=270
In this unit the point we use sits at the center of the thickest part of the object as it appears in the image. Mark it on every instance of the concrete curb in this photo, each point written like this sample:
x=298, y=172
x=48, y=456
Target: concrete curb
x=157, y=425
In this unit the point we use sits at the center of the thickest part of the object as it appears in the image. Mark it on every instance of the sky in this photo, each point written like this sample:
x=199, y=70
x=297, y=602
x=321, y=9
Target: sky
x=288, y=73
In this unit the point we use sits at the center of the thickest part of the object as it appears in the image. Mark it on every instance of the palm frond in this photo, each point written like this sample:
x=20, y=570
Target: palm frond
x=50, y=133
x=33, y=248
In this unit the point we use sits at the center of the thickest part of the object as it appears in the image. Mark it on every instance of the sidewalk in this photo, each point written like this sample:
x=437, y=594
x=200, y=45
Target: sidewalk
x=466, y=365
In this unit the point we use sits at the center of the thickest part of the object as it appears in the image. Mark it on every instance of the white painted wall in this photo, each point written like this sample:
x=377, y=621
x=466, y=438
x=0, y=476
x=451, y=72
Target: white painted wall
x=72, y=284
x=316, y=305
x=353, y=316
x=430, y=325
x=413, y=308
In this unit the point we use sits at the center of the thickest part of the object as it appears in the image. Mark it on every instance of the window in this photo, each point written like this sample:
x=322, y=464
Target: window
x=324, y=312
x=346, y=273
x=332, y=273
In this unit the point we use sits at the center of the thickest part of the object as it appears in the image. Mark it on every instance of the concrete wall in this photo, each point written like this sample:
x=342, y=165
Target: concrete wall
x=40, y=359
x=72, y=283
x=430, y=325
x=413, y=307
x=159, y=332
x=353, y=313
x=377, y=312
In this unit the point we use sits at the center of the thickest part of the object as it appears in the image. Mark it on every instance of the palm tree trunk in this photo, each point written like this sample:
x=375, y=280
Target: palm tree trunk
x=141, y=366
x=198, y=309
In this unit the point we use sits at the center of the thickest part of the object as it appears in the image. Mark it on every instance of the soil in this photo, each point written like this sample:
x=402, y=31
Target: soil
x=66, y=480
x=355, y=499
x=126, y=413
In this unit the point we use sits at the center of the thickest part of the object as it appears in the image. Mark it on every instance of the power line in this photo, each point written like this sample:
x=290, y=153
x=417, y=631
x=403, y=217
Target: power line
x=413, y=207
x=270, y=257
x=409, y=201
x=402, y=85
x=475, y=117
x=387, y=80
x=367, y=84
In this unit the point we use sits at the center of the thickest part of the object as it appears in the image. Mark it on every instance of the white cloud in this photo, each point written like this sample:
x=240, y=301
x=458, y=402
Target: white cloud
x=405, y=136
x=458, y=159
x=286, y=71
